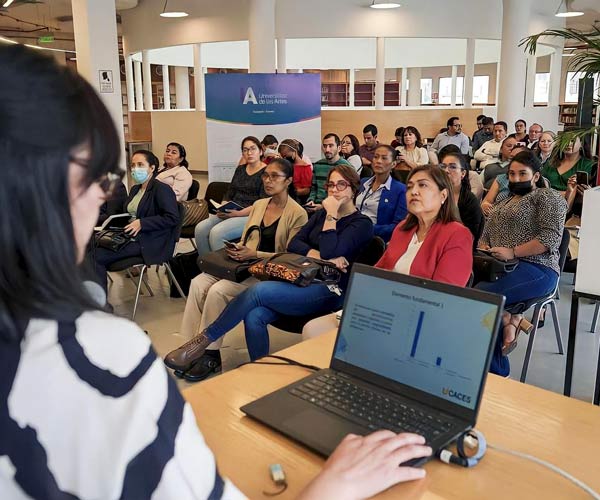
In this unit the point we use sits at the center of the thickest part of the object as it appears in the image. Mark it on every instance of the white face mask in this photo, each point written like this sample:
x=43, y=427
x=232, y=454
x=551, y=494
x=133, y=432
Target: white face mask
x=270, y=151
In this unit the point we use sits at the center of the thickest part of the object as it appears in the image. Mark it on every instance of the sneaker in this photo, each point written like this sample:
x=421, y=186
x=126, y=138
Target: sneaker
x=209, y=363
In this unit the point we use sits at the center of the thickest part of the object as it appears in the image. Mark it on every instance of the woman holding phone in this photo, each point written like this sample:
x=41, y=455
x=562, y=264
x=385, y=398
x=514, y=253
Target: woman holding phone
x=566, y=164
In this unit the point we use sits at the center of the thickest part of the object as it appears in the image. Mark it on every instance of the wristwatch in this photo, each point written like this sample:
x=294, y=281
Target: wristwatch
x=330, y=218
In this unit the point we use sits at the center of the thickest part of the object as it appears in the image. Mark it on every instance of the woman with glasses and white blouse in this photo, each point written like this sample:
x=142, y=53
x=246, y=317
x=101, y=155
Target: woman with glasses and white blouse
x=245, y=188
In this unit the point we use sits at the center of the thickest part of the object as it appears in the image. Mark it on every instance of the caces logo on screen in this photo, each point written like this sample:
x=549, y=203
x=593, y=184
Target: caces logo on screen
x=446, y=391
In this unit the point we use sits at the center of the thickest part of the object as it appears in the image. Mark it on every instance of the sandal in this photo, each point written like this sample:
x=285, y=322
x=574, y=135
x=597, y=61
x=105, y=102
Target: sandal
x=524, y=326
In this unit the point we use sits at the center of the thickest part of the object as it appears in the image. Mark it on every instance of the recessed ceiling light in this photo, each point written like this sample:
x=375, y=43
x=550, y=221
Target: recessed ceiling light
x=172, y=13
x=384, y=5
x=564, y=11
x=7, y=3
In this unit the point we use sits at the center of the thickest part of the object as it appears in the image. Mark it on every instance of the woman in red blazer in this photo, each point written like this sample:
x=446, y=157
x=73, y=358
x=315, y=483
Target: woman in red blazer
x=431, y=242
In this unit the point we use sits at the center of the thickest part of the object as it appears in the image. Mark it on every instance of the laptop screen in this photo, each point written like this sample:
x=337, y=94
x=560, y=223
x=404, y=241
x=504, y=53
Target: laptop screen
x=434, y=341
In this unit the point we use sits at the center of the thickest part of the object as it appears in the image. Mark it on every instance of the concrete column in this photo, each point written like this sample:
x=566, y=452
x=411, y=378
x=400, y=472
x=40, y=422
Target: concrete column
x=130, y=82
x=513, y=61
x=281, y=56
x=199, y=79
x=453, y=86
x=261, y=36
x=380, y=73
x=182, y=87
x=404, y=77
x=147, y=80
x=469, y=73
x=139, y=90
x=555, y=76
x=351, y=80
x=95, y=30
x=530, y=81
x=166, y=87
x=414, y=89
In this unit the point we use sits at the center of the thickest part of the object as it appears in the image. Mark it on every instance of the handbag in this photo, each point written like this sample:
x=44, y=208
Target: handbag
x=112, y=239
x=220, y=265
x=489, y=268
x=184, y=267
x=194, y=211
x=296, y=269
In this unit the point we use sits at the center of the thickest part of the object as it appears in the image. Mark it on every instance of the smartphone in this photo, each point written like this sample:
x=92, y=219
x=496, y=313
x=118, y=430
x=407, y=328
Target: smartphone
x=583, y=178
x=230, y=244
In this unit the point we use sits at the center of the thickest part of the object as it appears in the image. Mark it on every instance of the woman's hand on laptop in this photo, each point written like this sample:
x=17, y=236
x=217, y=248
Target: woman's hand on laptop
x=361, y=467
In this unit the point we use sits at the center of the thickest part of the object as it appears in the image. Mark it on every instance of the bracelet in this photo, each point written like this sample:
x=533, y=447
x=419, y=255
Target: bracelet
x=330, y=217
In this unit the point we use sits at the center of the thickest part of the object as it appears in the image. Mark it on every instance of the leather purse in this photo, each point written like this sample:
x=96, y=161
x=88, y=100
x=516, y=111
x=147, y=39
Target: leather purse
x=489, y=268
x=296, y=269
x=195, y=211
x=220, y=265
x=112, y=239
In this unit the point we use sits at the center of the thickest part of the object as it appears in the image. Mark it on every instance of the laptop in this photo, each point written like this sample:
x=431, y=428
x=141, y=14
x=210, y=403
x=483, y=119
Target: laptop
x=411, y=355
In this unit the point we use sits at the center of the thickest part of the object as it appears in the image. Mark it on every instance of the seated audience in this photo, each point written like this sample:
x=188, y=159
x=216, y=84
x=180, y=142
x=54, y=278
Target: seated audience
x=566, y=164
x=279, y=218
x=528, y=226
x=336, y=233
x=292, y=150
x=331, y=157
x=486, y=133
x=104, y=419
x=499, y=189
x=398, y=138
x=453, y=135
x=245, y=188
x=155, y=218
x=382, y=198
x=533, y=136
x=492, y=170
x=469, y=209
x=114, y=204
x=545, y=146
x=474, y=180
x=411, y=154
x=174, y=171
x=367, y=149
x=520, y=131
x=479, y=123
x=269, y=146
x=490, y=150
x=349, y=151
x=430, y=243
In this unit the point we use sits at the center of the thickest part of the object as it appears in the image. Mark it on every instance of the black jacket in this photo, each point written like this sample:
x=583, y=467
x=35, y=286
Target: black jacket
x=159, y=215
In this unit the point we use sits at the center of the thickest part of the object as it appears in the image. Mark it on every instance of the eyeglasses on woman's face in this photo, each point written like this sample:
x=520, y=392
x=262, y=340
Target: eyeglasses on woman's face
x=109, y=182
x=452, y=167
x=250, y=149
x=339, y=185
x=266, y=176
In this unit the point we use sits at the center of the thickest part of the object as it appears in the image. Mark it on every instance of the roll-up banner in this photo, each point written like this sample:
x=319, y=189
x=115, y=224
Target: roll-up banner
x=287, y=106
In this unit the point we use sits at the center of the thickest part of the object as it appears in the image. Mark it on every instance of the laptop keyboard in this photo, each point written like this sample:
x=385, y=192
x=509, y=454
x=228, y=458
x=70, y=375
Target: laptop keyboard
x=370, y=409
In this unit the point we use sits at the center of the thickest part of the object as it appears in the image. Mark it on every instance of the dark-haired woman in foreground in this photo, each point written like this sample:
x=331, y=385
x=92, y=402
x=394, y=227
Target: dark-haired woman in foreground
x=86, y=408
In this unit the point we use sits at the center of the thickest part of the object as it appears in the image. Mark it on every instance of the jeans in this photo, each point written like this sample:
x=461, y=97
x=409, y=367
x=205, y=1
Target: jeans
x=211, y=232
x=527, y=281
x=263, y=303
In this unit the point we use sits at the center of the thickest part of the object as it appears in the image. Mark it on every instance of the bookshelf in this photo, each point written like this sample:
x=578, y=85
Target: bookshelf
x=334, y=94
x=568, y=114
x=364, y=94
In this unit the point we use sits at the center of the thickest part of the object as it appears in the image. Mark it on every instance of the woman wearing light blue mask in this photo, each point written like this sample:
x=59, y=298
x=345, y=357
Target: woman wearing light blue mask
x=155, y=216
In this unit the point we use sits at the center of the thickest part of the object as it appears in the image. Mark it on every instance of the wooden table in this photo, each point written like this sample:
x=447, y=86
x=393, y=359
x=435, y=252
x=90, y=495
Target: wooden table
x=563, y=431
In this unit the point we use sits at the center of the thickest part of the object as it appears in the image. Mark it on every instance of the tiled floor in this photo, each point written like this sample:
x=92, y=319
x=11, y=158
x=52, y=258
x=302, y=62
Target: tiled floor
x=161, y=317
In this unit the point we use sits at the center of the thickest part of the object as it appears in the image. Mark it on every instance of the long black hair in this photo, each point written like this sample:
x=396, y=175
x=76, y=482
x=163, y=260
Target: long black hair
x=182, y=153
x=286, y=168
x=46, y=113
x=151, y=159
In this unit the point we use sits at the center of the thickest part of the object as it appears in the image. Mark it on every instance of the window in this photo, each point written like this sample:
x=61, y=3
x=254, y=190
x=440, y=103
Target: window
x=542, y=88
x=426, y=87
x=446, y=90
x=572, y=86
x=481, y=89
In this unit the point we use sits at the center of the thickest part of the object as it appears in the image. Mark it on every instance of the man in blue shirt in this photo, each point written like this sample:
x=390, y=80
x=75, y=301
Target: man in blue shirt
x=454, y=135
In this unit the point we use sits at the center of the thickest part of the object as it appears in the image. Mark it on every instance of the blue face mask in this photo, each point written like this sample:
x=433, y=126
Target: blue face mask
x=140, y=175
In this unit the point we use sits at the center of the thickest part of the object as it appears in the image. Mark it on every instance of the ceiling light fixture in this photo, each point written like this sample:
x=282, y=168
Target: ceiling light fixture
x=7, y=3
x=172, y=13
x=384, y=5
x=564, y=10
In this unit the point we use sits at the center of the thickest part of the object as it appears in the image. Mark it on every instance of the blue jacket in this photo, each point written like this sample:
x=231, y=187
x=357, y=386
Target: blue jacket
x=159, y=215
x=391, y=209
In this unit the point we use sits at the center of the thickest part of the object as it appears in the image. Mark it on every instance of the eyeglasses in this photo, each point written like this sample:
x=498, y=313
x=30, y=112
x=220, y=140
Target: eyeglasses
x=339, y=185
x=252, y=149
x=271, y=177
x=108, y=183
x=450, y=166
x=457, y=125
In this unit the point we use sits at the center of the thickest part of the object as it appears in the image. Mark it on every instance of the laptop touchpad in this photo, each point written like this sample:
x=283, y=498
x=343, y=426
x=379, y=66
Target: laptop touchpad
x=321, y=428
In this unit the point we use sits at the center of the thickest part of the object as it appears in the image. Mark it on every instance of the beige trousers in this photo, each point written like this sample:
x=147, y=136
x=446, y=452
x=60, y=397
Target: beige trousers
x=319, y=326
x=207, y=298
